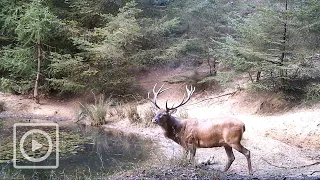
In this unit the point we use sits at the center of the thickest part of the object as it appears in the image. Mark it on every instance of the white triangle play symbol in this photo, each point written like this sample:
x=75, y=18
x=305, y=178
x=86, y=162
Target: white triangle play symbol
x=36, y=145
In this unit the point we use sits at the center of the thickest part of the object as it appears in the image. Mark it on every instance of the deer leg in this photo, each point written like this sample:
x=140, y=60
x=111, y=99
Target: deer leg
x=230, y=157
x=192, y=155
x=186, y=152
x=191, y=150
x=245, y=152
x=187, y=155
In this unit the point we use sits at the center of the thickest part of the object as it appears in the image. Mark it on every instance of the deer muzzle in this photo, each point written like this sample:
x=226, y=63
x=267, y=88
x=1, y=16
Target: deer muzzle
x=155, y=120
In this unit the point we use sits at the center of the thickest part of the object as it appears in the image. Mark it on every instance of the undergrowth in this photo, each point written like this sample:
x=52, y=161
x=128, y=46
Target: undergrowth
x=294, y=91
x=313, y=92
x=103, y=110
x=95, y=112
x=147, y=116
x=2, y=106
x=132, y=113
x=119, y=110
x=8, y=173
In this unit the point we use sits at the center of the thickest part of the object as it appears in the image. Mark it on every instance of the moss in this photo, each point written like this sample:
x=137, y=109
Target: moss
x=69, y=143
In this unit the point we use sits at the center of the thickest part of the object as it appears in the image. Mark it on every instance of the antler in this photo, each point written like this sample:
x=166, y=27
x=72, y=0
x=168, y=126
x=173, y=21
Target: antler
x=155, y=94
x=184, y=101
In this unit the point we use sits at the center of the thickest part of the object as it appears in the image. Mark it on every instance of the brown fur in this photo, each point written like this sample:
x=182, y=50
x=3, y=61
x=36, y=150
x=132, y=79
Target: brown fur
x=192, y=134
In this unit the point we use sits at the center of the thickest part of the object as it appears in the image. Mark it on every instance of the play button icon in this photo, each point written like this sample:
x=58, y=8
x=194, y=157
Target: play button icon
x=36, y=145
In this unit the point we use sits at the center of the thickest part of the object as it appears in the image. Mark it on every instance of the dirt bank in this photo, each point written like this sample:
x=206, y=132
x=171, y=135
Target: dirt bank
x=282, y=145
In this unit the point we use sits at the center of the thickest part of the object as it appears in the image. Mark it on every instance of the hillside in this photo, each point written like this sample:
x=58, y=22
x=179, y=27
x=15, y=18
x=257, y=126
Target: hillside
x=283, y=144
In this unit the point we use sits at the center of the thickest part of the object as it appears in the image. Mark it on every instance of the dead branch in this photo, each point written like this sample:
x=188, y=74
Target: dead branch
x=207, y=99
x=314, y=172
x=273, y=164
x=295, y=167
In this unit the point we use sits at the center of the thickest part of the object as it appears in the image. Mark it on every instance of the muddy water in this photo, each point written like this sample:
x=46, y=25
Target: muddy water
x=84, y=152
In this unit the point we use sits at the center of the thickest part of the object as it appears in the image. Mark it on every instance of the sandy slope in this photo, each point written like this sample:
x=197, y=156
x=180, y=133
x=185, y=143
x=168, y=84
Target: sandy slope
x=285, y=144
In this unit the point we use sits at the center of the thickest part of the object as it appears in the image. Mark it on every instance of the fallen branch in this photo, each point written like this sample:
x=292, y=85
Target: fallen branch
x=273, y=164
x=207, y=99
x=314, y=172
x=296, y=167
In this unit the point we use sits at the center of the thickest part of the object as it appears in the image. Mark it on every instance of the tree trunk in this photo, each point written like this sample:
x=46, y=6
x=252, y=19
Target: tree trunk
x=258, y=76
x=36, y=84
x=250, y=76
x=284, y=38
x=273, y=81
x=212, y=68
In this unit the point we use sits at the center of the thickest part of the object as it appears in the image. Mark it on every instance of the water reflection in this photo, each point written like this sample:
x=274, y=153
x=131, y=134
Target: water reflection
x=109, y=151
x=104, y=153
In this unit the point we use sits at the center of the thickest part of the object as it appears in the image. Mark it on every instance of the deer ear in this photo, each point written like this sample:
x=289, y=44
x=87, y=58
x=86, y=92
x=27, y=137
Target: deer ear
x=173, y=111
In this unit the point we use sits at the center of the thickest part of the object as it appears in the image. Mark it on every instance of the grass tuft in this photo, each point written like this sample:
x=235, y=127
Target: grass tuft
x=119, y=111
x=183, y=113
x=132, y=113
x=147, y=116
x=95, y=112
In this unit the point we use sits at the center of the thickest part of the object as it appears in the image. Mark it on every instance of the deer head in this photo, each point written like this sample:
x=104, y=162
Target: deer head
x=163, y=114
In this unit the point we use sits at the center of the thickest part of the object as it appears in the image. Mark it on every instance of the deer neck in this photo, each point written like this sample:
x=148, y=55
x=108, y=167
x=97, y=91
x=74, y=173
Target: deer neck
x=173, y=129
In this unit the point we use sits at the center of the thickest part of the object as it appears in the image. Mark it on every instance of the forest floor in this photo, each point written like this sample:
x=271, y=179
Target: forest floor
x=284, y=144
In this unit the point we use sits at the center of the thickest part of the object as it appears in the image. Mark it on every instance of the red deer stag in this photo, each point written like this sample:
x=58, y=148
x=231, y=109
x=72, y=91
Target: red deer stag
x=192, y=134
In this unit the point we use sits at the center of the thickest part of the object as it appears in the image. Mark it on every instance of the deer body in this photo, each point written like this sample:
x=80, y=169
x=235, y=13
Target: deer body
x=214, y=132
x=204, y=134
x=192, y=134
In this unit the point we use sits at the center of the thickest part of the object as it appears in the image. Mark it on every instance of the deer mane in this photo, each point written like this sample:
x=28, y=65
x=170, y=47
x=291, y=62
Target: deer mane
x=173, y=129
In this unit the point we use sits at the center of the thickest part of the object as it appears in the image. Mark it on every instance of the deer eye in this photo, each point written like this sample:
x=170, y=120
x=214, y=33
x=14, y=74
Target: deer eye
x=164, y=115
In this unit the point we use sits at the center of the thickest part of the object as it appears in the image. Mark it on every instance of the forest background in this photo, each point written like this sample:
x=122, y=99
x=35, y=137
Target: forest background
x=63, y=47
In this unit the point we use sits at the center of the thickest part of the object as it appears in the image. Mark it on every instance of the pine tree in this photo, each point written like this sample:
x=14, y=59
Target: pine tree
x=269, y=43
x=33, y=26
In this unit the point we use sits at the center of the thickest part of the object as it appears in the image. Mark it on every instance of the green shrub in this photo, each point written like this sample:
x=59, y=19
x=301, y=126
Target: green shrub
x=5, y=85
x=313, y=92
x=261, y=87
